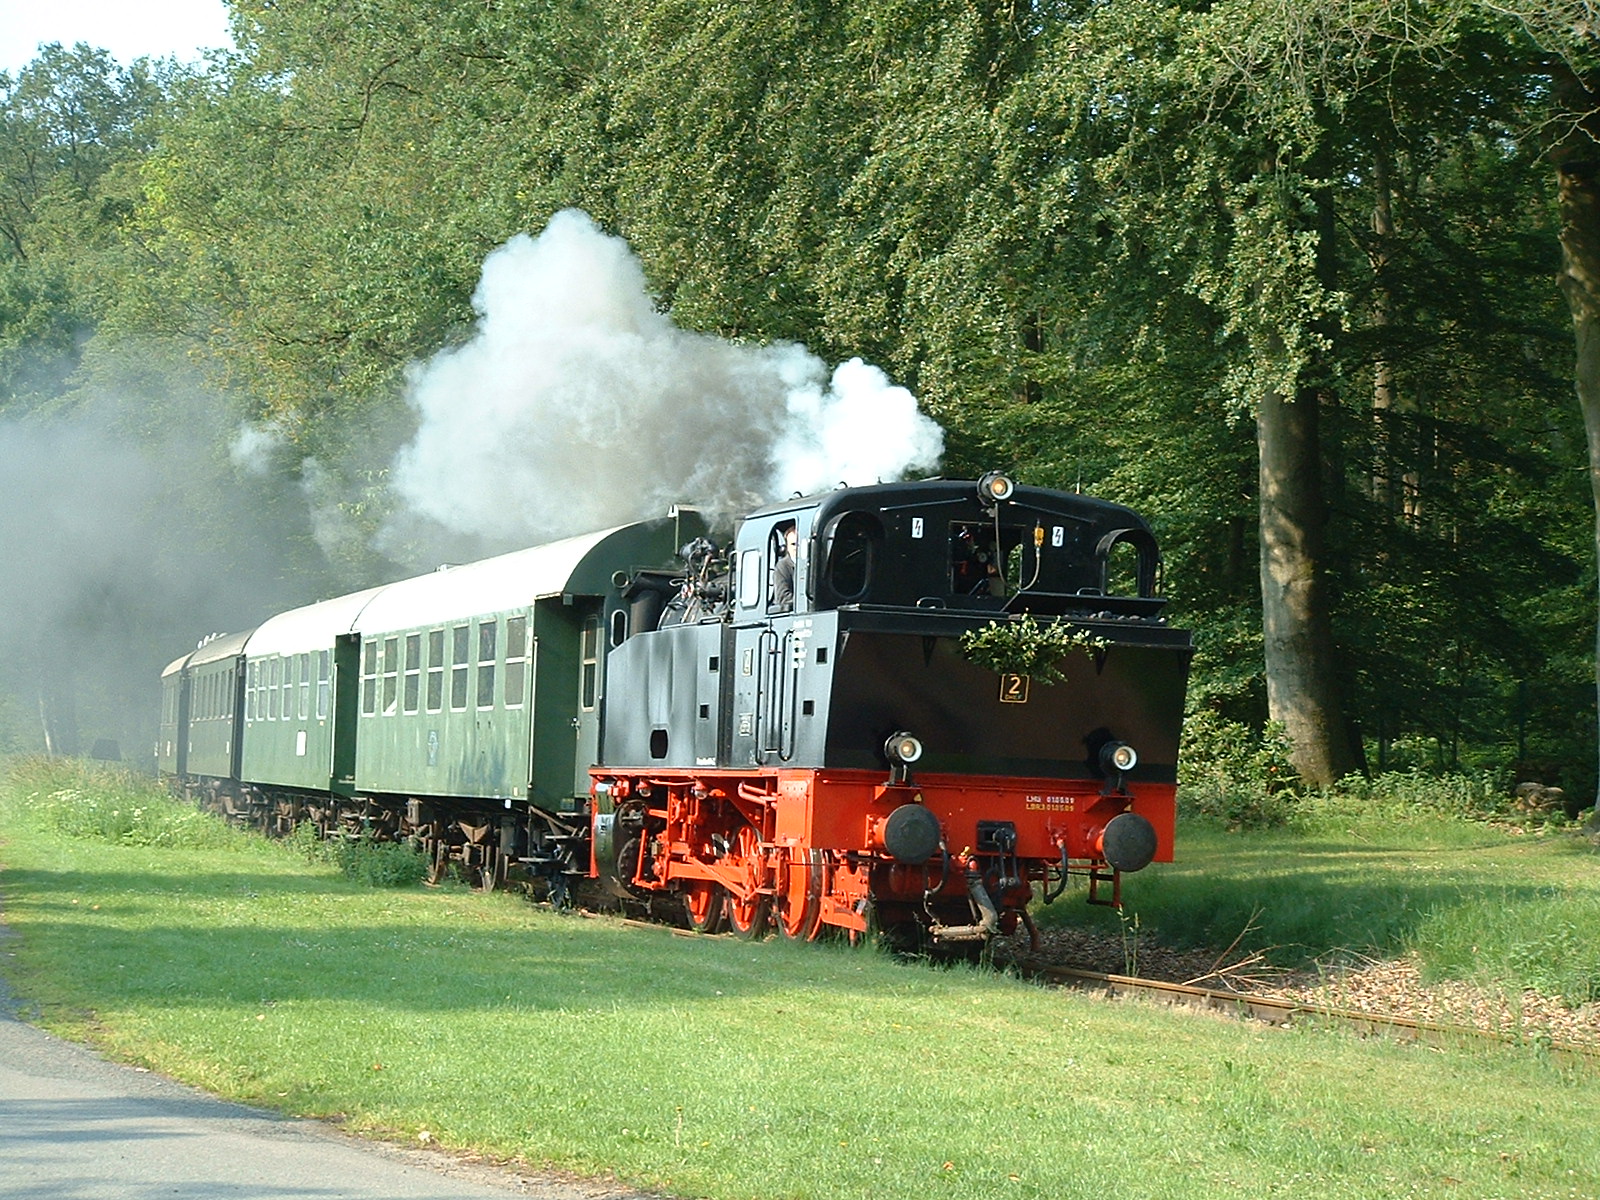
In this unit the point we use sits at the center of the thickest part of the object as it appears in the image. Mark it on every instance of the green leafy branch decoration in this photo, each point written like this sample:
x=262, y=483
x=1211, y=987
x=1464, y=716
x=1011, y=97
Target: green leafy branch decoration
x=1022, y=646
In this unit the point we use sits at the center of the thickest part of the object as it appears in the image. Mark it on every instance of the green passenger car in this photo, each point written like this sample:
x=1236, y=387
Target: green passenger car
x=484, y=681
x=210, y=683
x=172, y=747
x=293, y=681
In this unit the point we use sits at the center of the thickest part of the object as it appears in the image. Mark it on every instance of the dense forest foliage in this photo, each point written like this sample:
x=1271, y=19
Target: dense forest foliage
x=1282, y=276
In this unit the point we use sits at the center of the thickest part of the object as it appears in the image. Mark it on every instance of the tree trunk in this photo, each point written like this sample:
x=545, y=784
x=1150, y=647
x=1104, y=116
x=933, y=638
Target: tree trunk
x=1302, y=687
x=1577, y=161
x=1396, y=484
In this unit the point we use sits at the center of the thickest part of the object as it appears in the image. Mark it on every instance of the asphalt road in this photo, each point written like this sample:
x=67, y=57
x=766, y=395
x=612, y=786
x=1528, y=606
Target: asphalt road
x=76, y=1127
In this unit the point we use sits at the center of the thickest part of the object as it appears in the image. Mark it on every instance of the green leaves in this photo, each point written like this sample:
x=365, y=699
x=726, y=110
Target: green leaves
x=1019, y=645
x=1090, y=236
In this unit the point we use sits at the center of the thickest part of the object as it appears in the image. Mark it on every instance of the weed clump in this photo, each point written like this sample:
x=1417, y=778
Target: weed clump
x=363, y=859
x=108, y=804
x=1242, y=778
x=95, y=802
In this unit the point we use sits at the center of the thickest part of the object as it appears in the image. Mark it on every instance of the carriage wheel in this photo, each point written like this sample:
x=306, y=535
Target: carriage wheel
x=492, y=874
x=438, y=848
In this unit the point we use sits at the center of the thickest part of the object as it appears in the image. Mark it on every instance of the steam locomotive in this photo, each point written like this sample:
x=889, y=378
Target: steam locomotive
x=910, y=708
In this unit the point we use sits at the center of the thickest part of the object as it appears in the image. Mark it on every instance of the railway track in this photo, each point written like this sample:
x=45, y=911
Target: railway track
x=1276, y=1010
x=1268, y=1009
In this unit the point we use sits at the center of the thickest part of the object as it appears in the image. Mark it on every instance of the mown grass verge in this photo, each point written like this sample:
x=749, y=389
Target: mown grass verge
x=1498, y=904
x=713, y=1068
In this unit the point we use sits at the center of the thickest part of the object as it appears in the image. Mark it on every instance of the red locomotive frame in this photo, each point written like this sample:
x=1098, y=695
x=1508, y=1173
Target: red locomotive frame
x=811, y=849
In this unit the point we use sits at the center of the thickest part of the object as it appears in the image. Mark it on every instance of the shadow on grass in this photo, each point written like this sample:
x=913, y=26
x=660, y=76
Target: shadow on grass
x=254, y=939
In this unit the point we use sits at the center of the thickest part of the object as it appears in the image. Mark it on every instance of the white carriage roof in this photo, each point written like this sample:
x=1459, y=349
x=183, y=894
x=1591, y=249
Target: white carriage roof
x=225, y=646
x=508, y=582
x=312, y=627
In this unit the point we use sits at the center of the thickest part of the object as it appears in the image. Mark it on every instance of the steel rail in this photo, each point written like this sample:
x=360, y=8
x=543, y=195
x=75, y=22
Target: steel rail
x=1270, y=1010
x=1276, y=1010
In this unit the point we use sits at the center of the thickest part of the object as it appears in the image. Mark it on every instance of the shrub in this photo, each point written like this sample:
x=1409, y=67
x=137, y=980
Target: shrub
x=1230, y=773
x=1473, y=795
x=363, y=859
x=380, y=864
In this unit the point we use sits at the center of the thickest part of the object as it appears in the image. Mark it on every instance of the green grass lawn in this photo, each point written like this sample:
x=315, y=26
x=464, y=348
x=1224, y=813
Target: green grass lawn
x=1497, y=906
x=711, y=1067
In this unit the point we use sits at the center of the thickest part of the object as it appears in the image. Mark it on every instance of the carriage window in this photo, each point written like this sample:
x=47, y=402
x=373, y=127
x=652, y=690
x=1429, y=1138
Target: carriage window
x=369, y=678
x=516, y=660
x=288, y=688
x=435, y=670
x=391, y=674
x=460, y=664
x=850, y=554
x=305, y=686
x=591, y=662
x=274, y=689
x=249, y=691
x=324, y=684
x=413, y=682
x=486, y=657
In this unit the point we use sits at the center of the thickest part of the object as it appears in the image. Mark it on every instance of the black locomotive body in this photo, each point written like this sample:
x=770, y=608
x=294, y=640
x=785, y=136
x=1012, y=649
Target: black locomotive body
x=834, y=756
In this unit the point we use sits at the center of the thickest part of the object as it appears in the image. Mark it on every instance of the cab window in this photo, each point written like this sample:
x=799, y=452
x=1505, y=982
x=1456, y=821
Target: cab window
x=750, y=579
x=783, y=553
x=850, y=554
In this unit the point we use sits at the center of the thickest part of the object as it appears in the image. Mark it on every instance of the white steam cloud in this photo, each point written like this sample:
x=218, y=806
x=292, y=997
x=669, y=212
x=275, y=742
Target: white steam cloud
x=577, y=405
x=253, y=447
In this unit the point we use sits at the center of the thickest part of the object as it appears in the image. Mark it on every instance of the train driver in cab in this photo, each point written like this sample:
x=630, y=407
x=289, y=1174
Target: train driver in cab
x=783, y=572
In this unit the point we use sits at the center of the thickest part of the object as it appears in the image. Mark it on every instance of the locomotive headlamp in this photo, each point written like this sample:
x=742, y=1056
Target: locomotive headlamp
x=1118, y=757
x=995, y=486
x=902, y=748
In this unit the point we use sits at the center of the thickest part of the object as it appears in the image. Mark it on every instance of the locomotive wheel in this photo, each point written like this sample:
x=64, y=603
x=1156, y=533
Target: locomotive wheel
x=748, y=917
x=702, y=899
x=798, y=904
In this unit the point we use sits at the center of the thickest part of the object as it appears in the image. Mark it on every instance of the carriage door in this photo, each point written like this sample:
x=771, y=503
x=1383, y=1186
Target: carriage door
x=346, y=700
x=587, y=721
